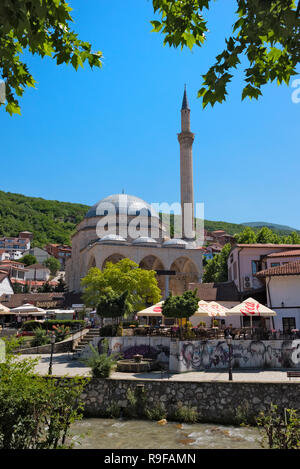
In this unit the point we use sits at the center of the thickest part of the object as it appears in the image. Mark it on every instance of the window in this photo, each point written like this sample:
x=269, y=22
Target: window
x=256, y=266
x=234, y=270
x=275, y=264
x=288, y=324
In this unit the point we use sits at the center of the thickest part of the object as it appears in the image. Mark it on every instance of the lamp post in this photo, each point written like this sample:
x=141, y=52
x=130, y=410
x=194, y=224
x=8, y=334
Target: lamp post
x=229, y=343
x=52, y=341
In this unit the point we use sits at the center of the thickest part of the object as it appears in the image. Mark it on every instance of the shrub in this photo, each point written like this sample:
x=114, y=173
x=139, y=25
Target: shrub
x=186, y=414
x=156, y=412
x=32, y=325
x=108, y=331
x=61, y=333
x=281, y=429
x=40, y=338
x=101, y=364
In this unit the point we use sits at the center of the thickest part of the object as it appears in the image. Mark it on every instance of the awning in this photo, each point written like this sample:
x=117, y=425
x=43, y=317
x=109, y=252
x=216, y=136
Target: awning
x=251, y=308
x=28, y=309
x=4, y=309
x=154, y=311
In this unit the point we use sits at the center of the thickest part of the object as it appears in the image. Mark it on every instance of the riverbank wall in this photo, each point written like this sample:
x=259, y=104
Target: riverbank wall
x=216, y=402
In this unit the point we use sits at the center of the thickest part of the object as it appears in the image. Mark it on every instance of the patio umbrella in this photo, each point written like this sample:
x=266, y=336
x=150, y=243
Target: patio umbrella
x=28, y=309
x=215, y=309
x=251, y=308
x=153, y=311
x=4, y=309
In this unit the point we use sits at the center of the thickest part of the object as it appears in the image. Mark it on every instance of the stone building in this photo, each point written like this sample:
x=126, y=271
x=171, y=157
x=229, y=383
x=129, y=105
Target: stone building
x=124, y=226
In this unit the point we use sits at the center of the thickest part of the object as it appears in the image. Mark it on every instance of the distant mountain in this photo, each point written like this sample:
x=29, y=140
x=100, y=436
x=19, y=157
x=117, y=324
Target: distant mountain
x=272, y=226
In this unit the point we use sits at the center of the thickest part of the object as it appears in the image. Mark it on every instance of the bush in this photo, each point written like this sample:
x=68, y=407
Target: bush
x=35, y=412
x=186, y=414
x=281, y=429
x=32, y=325
x=40, y=338
x=108, y=331
x=156, y=412
x=102, y=364
x=61, y=333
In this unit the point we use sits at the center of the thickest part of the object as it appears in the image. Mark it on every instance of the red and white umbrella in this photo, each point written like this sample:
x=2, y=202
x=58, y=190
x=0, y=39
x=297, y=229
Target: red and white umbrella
x=153, y=311
x=211, y=309
x=251, y=308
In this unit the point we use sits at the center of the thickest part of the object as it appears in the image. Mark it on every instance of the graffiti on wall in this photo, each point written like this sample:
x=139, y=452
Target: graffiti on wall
x=245, y=354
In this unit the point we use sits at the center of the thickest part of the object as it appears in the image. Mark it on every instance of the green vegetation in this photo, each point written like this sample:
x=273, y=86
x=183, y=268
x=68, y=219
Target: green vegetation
x=53, y=265
x=50, y=221
x=186, y=414
x=124, y=276
x=28, y=259
x=101, y=364
x=112, y=305
x=181, y=307
x=40, y=338
x=49, y=325
x=265, y=236
x=216, y=269
x=264, y=42
x=38, y=27
x=281, y=430
x=35, y=412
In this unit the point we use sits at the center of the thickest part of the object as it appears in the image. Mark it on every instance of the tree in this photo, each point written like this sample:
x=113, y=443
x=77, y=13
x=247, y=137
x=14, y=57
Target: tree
x=112, y=305
x=35, y=413
x=61, y=286
x=28, y=259
x=181, y=307
x=267, y=236
x=123, y=276
x=216, y=269
x=41, y=27
x=281, y=430
x=247, y=236
x=53, y=265
x=266, y=32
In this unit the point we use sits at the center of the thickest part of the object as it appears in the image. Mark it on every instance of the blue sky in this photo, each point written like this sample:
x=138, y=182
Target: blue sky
x=85, y=135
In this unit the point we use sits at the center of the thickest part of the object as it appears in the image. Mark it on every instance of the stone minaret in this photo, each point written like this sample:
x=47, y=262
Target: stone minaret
x=186, y=140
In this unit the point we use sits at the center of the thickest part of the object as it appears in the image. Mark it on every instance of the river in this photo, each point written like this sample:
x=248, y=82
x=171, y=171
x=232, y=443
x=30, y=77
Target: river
x=139, y=434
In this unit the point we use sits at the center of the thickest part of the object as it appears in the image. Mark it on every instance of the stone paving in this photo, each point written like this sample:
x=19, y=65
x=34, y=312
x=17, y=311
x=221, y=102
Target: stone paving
x=64, y=364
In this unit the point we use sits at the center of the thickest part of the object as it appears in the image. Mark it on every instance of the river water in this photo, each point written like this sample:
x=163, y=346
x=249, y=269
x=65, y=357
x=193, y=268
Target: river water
x=139, y=434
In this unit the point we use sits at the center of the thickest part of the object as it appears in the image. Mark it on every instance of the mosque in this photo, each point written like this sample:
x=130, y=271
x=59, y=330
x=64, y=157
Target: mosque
x=108, y=233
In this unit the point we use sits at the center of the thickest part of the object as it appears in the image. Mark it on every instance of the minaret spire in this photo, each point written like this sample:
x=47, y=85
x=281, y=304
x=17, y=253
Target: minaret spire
x=186, y=140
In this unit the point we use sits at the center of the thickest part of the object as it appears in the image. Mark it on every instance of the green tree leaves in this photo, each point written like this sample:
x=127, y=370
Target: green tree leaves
x=216, y=269
x=267, y=33
x=124, y=276
x=41, y=27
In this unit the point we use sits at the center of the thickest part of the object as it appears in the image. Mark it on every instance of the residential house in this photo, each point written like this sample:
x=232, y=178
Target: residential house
x=62, y=252
x=283, y=294
x=40, y=254
x=13, y=244
x=37, y=272
x=16, y=271
x=6, y=287
x=245, y=260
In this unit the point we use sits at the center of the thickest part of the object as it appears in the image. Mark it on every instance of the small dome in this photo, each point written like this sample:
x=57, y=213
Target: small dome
x=122, y=204
x=144, y=240
x=112, y=238
x=175, y=243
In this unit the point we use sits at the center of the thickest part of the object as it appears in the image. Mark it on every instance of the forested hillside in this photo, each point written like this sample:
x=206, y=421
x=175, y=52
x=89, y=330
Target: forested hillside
x=49, y=220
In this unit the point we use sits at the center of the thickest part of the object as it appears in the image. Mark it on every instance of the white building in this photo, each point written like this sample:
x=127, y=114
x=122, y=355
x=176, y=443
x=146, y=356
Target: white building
x=37, y=272
x=245, y=260
x=283, y=294
x=6, y=287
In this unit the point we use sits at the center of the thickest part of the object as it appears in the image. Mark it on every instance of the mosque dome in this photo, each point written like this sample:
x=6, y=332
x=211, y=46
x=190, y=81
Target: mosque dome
x=123, y=204
x=175, y=243
x=112, y=238
x=144, y=240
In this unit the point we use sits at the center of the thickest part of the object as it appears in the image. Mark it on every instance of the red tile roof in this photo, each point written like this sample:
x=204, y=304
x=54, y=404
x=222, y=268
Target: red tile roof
x=291, y=253
x=291, y=268
x=258, y=245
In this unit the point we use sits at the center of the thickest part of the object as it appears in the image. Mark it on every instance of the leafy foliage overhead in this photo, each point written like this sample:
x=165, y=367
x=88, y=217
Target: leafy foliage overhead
x=266, y=32
x=181, y=306
x=42, y=27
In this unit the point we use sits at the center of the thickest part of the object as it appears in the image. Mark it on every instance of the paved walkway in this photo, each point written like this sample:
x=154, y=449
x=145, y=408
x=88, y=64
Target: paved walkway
x=63, y=364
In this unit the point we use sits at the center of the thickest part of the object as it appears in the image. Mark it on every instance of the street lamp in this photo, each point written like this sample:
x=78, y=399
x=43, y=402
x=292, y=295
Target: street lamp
x=229, y=343
x=52, y=341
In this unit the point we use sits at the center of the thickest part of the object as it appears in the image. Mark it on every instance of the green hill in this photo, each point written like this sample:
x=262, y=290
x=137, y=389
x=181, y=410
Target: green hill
x=49, y=220
x=52, y=221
